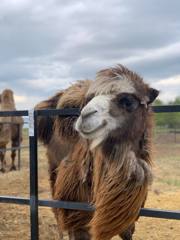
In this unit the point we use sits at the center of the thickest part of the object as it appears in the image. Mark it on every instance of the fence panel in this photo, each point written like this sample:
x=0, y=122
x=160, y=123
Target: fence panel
x=34, y=202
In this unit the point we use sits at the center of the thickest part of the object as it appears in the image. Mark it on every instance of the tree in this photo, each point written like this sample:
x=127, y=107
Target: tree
x=177, y=100
x=170, y=120
x=158, y=102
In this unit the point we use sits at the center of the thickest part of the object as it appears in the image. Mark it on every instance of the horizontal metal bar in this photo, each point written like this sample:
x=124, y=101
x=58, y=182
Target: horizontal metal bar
x=62, y=112
x=144, y=212
x=49, y=203
x=67, y=205
x=157, y=213
x=11, y=123
x=13, y=148
x=14, y=200
x=13, y=113
x=17, y=148
x=76, y=111
x=166, y=108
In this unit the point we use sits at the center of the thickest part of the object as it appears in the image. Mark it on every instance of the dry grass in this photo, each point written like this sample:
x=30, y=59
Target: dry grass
x=164, y=194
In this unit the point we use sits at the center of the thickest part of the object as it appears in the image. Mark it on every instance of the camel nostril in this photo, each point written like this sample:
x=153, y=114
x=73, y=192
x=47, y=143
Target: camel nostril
x=87, y=114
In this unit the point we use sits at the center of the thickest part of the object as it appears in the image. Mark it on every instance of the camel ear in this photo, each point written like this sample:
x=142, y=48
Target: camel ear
x=153, y=93
x=45, y=123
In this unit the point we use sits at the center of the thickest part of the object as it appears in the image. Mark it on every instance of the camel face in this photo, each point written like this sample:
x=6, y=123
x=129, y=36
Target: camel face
x=119, y=99
x=105, y=114
x=95, y=121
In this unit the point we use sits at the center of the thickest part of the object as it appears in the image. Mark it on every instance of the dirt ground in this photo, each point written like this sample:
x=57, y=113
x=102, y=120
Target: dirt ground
x=164, y=194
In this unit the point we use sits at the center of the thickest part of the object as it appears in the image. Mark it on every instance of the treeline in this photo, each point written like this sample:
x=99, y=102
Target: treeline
x=169, y=120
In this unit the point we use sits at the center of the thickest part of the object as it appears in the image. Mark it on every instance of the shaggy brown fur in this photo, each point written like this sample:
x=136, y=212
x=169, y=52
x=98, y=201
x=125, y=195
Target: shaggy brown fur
x=10, y=128
x=59, y=136
x=115, y=175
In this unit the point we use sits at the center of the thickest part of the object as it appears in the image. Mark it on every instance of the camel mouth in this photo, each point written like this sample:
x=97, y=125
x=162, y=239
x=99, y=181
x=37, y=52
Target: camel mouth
x=90, y=132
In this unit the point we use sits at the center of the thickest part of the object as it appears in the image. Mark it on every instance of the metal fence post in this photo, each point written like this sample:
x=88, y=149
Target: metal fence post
x=19, y=145
x=33, y=175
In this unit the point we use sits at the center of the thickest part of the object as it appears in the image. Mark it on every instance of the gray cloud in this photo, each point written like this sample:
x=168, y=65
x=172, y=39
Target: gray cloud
x=46, y=45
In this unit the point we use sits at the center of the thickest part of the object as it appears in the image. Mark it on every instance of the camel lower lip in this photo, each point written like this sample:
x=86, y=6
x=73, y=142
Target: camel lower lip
x=94, y=130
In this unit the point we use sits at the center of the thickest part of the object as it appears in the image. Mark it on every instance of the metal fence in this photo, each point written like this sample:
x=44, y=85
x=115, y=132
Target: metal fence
x=34, y=202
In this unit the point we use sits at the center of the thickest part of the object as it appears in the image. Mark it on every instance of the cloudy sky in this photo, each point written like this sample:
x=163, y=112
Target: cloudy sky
x=46, y=45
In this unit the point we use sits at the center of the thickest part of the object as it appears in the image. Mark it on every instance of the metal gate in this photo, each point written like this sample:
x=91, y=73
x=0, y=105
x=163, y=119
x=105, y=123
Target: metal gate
x=34, y=202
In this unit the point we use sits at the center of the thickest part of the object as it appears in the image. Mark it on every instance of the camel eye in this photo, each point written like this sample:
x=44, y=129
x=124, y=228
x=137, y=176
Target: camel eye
x=125, y=102
x=128, y=102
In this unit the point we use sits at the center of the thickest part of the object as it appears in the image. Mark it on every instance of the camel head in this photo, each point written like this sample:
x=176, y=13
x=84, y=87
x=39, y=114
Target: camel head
x=7, y=96
x=7, y=100
x=117, y=106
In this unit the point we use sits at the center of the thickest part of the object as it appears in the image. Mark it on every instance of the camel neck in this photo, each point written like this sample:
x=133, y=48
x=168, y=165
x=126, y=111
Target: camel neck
x=7, y=106
x=121, y=165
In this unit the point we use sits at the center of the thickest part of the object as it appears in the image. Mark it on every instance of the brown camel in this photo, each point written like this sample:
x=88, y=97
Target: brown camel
x=102, y=157
x=10, y=129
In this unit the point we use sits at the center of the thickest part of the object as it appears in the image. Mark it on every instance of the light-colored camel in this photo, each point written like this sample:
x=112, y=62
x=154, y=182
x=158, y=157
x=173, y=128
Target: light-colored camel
x=10, y=129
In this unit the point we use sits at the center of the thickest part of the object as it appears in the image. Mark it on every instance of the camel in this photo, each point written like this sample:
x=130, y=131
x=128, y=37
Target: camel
x=103, y=157
x=10, y=129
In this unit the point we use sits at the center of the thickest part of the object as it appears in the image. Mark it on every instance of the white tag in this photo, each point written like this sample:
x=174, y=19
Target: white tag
x=31, y=122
